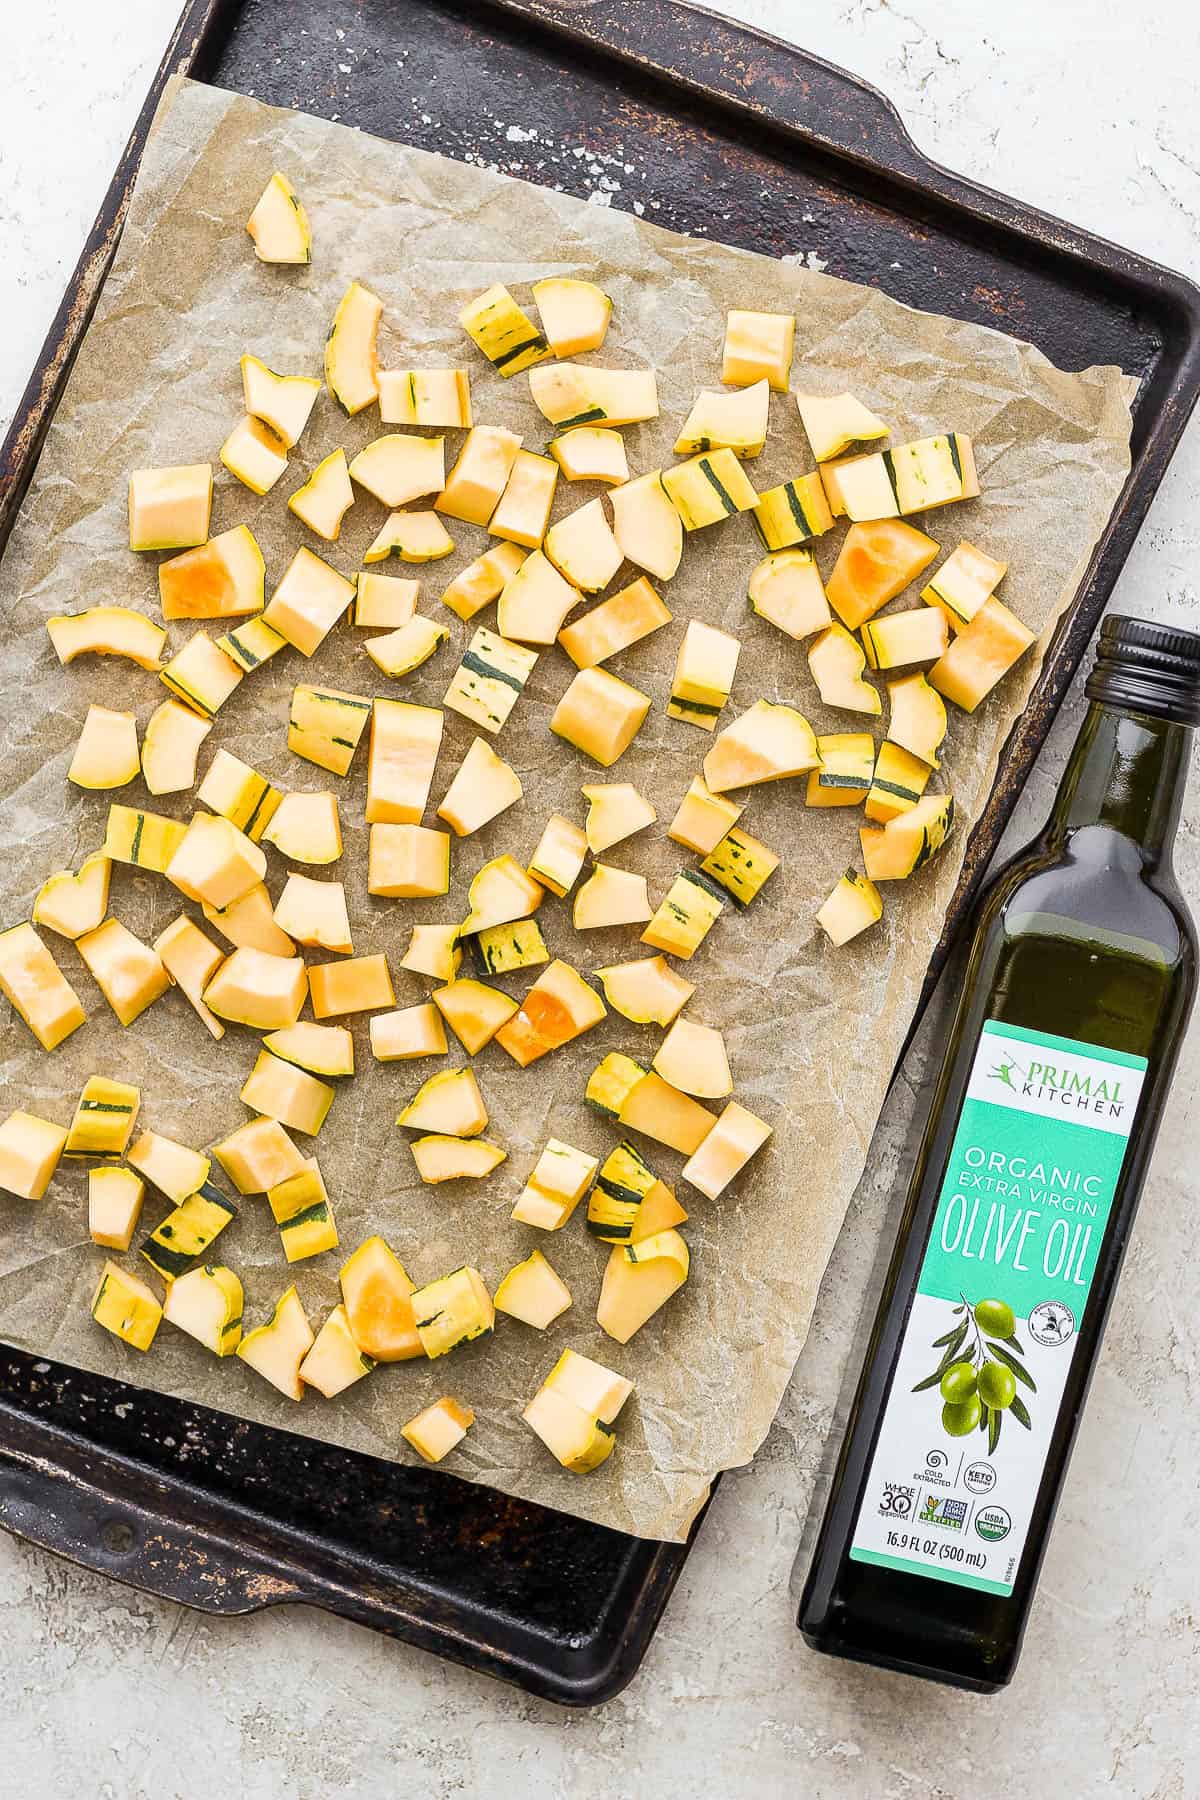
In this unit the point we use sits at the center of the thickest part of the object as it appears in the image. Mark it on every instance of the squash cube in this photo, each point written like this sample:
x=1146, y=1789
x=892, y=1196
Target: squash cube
x=215, y=862
x=169, y=509
x=125, y=1306
x=222, y=579
x=314, y=913
x=276, y=1350
x=559, y=1007
x=408, y=1033
x=377, y=1294
x=308, y=602
x=600, y=714
x=533, y=1292
x=128, y=973
x=734, y=1139
x=30, y=1149
x=559, y=857
x=36, y=987
x=259, y=1156
x=279, y=1090
x=560, y=1178
x=254, y=988
x=408, y=861
x=484, y=787
x=453, y=1311
x=361, y=984
x=335, y=1361
x=72, y=904
x=404, y=748
x=106, y=755
x=437, y=1430
x=115, y=1198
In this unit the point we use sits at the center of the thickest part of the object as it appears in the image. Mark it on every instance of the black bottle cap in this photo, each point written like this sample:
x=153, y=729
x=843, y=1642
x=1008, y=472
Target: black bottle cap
x=1147, y=668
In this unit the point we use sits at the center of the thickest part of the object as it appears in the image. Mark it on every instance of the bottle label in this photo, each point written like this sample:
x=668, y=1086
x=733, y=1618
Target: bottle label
x=994, y=1324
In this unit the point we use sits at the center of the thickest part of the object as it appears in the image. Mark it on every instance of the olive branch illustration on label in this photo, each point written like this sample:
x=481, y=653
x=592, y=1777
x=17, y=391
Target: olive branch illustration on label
x=979, y=1371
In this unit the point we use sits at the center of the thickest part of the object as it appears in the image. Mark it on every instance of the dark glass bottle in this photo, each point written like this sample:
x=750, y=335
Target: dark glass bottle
x=1075, y=996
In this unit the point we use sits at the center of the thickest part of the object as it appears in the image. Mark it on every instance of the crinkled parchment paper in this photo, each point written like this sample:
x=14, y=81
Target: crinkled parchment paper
x=812, y=1033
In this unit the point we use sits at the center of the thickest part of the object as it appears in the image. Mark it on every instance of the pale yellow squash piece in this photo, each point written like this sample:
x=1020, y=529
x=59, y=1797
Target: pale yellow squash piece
x=558, y=859
x=191, y=960
x=404, y=748
x=321, y=1049
x=507, y=336
x=259, y=1156
x=591, y=453
x=384, y=602
x=361, y=984
x=647, y=991
x=535, y=601
x=570, y=394
x=611, y=897
x=276, y=1350
x=582, y=548
x=107, y=631
x=306, y=828
x=704, y=672
x=335, y=1361
x=279, y=224
x=351, y=355
x=484, y=787
x=128, y=973
x=106, y=755
x=455, y=1159
x=533, y=1292
x=202, y=675
x=589, y=1386
x=239, y=793
x=257, y=989
x=115, y=1198
x=439, y=399
x=600, y=714
x=639, y=1279
x=325, y=498
x=709, y=488
x=836, y=421
x=172, y=1168
x=104, y=1117
x=523, y=509
x=920, y=635
x=483, y=581
x=249, y=924
x=433, y=950
x=30, y=1149
x=661, y=1111
x=574, y=314
x=325, y=725
x=720, y=421
x=559, y=1007
x=853, y=907
x=408, y=861
x=474, y=1011
x=615, y=811
x=283, y=402
x=308, y=602
x=560, y=1178
x=223, y=579
x=438, y=1429
x=254, y=455
x=124, y=1305
x=703, y=818
x=479, y=475
x=279, y=1090
x=415, y=537
x=401, y=651
x=72, y=904
x=692, y=1058
x=734, y=1139
x=450, y=1104
x=169, y=509
x=766, y=743
x=499, y=893
x=918, y=717
x=408, y=1033
x=302, y=1209
x=398, y=469
x=215, y=862
x=758, y=347
x=314, y=913
x=452, y=1311
x=577, y=1440
x=614, y=625
x=171, y=746
x=647, y=526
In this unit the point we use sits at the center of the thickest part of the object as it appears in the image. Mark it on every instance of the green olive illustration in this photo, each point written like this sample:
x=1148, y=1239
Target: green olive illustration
x=959, y=1383
x=996, y=1317
x=997, y=1386
x=960, y=1421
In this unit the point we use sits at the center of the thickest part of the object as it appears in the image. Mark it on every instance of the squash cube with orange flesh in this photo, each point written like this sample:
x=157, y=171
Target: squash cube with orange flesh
x=559, y=1006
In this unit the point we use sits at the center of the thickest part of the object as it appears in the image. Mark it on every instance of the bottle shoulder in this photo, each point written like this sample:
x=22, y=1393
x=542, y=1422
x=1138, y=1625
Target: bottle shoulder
x=1101, y=885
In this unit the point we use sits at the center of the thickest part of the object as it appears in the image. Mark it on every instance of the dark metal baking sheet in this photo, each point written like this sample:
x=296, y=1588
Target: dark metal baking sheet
x=721, y=132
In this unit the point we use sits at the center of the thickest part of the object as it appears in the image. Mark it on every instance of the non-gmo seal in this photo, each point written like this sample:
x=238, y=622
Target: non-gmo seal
x=992, y=1523
x=1051, y=1323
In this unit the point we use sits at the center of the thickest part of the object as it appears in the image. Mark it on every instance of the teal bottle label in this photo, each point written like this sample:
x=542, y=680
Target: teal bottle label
x=994, y=1324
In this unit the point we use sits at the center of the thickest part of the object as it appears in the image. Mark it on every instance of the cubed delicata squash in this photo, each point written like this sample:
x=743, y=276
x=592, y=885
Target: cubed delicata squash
x=107, y=631
x=249, y=923
x=405, y=741
x=792, y=513
x=235, y=791
x=875, y=563
x=614, y=625
x=766, y=743
x=207, y=1303
x=499, y=949
x=302, y=1209
x=126, y=1306
x=384, y=602
x=499, y=893
x=582, y=548
x=559, y=1007
x=279, y=1090
x=647, y=525
x=439, y=399
x=186, y=1233
x=737, y=1136
x=170, y=509
x=452, y=1311
x=276, y=1350
x=325, y=725
x=741, y=864
x=897, y=784
x=279, y=224
x=408, y=1033
x=377, y=1294
x=483, y=787
x=438, y=1429
x=254, y=455
x=980, y=655
x=533, y=1292
x=433, y=950
x=708, y=488
x=853, y=907
x=785, y=588
x=397, y=469
x=918, y=717
x=440, y=1158
x=847, y=765
x=703, y=818
x=574, y=394
x=758, y=346
x=691, y=907
x=693, y=1058
x=70, y=903
x=408, y=862
x=638, y=1280
x=253, y=987
x=283, y=402
x=489, y=680
x=600, y=715
x=202, y=675
x=966, y=580
x=704, y=672
x=222, y=579
x=615, y=811
x=171, y=747
x=647, y=991
x=559, y=1179
x=104, y=1118
x=172, y=1168
x=479, y=475
x=314, y=913
x=30, y=1148
x=308, y=602
x=106, y=755
x=894, y=851
x=559, y=857
x=360, y=984
x=449, y=1104
x=351, y=355
x=836, y=661
x=320, y=1049
x=610, y=1081
x=474, y=1011
x=115, y=1199
x=899, y=639
x=401, y=651
x=325, y=498
x=250, y=644
x=335, y=1361
x=258, y=1156
x=483, y=581
x=32, y=982
x=591, y=453
x=414, y=537
x=128, y=973
x=577, y=1440
x=507, y=336
x=306, y=828
x=589, y=1386
x=723, y=421
x=535, y=601
x=610, y=897
x=658, y=1109
x=574, y=314
x=523, y=509
x=215, y=861
x=833, y=422
x=621, y=1185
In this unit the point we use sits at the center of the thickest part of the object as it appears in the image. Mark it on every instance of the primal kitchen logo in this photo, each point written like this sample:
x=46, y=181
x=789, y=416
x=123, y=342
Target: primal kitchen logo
x=1065, y=1087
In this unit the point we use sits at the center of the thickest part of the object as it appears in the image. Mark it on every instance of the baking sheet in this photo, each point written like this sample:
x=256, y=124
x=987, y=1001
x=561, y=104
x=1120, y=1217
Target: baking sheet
x=812, y=1034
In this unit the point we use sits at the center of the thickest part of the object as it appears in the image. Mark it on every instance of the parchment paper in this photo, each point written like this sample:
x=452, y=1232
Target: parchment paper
x=812, y=1033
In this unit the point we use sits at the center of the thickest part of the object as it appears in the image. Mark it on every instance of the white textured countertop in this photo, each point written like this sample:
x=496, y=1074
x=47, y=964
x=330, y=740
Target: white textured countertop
x=1090, y=113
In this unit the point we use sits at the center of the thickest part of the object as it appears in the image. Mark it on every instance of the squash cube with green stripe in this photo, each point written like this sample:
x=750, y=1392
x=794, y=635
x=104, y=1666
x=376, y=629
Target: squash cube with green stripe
x=302, y=1210
x=620, y=1187
x=325, y=725
x=708, y=488
x=691, y=908
x=507, y=336
x=741, y=864
x=186, y=1233
x=490, y=679
x=240, y=794
x=104, y=1119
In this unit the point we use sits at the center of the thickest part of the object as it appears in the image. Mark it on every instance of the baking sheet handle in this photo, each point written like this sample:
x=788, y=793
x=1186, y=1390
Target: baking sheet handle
x=58, y=1492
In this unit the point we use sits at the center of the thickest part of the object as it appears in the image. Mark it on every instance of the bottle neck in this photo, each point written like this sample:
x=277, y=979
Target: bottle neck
x=1127, y=773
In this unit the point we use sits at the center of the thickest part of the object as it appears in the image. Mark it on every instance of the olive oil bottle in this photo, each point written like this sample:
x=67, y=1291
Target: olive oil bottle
x=1075, y=997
